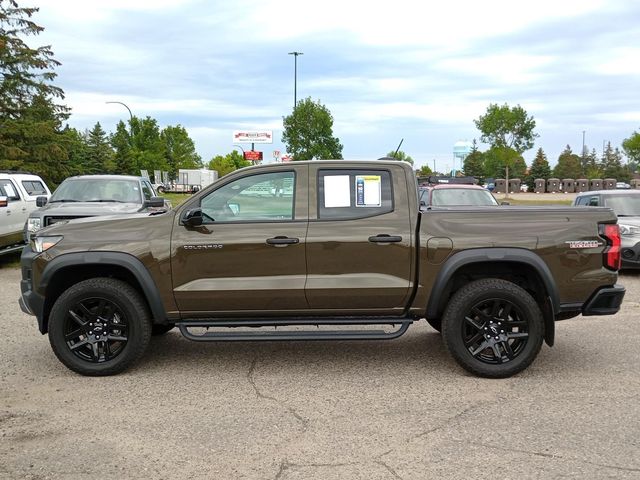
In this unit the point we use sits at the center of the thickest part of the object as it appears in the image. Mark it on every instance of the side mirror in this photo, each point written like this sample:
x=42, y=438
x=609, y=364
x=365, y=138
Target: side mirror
x=192, y=218
x=505, y=203
x=423, y=203
x=4, y=201
x=155, y=202
x=41, y=201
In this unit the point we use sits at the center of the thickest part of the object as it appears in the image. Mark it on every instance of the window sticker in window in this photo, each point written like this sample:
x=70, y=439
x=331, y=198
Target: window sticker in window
x=368, y=190
x=337, y=192
x=10, y=191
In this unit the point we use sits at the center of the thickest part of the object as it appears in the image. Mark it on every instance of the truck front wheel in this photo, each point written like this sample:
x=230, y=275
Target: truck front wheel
x=99, y=327
x=493, y=328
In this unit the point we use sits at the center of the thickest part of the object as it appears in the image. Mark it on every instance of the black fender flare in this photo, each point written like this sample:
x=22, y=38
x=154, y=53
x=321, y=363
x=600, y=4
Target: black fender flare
x=124, y=260
x=496, y=254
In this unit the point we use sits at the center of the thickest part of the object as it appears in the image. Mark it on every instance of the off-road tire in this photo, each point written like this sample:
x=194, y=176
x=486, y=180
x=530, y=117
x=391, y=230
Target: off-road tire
x=494, y=303
x=95, y=300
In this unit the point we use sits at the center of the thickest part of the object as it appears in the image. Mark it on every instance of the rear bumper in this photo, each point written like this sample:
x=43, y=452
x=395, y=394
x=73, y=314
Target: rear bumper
x=605, y=301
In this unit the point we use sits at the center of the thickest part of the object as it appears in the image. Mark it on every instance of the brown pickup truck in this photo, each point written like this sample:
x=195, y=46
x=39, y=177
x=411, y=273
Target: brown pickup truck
x=321, y=250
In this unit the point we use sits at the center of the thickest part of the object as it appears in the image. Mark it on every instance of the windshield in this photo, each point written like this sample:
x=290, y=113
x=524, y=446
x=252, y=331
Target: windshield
x=461, y=196
x=98, y=190
x=624, y=205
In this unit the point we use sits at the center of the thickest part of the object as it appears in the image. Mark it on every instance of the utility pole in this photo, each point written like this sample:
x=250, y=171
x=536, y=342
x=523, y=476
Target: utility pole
x=295, y=77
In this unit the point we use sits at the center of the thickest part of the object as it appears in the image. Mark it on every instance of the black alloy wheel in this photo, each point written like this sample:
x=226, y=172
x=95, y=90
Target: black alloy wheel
x=99, y=326
x=95, y=330
x=493, y=328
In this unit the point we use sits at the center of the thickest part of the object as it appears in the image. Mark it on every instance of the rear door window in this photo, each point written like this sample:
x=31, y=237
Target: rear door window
x=34, y=187
x=350, y=194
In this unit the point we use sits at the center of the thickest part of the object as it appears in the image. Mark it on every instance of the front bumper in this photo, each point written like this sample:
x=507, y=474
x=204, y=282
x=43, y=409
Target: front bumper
x=605, y=301
x=30, y=301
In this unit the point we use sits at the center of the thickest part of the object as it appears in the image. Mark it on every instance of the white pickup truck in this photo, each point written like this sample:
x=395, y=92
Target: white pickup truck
x=18, y=193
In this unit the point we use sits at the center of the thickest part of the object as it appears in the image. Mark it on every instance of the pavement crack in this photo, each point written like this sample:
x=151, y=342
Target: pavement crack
x=252, y=381
x=284, y=466
x=559, y=457
x=389, y=469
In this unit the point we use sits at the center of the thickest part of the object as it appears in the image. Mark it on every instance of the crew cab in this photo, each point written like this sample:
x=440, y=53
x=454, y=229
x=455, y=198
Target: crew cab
x=321, y=250
x=18, y=194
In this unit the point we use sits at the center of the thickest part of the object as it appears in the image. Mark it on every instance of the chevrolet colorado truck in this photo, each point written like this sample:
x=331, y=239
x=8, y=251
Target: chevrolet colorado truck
x=321, y=250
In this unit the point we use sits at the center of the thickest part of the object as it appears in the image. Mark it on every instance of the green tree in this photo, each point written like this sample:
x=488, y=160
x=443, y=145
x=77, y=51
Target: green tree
x=76, y=148
x=400, y=155
x=147, y=148
x=594, y=168
x=473, y=164
x=505, y=127
x=179, y=149
x=424, y=171
x=228, y=163
x=121, y=142
x=100, y=156
x=612, y=165
x=30, y=119
x=539, y=169
x=569, y=165
x=503, y=162
x=631, y=147
x=308, y=132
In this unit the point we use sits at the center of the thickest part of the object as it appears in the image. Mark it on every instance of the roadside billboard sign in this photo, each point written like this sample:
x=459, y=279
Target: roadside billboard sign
x=253, y=136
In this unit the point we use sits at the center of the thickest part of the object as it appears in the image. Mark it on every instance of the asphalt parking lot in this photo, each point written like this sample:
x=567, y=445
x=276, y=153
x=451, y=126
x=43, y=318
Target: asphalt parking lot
x=399, y=409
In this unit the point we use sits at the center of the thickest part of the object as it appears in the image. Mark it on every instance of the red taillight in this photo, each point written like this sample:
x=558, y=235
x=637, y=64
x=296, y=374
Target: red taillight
x=611, y=255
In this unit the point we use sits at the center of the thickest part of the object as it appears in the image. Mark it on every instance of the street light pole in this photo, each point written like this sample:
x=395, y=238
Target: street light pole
x=295, y=77
x=125, y=106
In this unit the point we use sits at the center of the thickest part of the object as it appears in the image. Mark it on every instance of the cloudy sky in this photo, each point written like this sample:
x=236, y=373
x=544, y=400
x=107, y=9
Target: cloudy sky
x=422, y=71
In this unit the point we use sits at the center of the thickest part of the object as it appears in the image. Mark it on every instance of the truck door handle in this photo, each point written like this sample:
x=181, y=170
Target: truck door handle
x=282, y=240
x=384, y=238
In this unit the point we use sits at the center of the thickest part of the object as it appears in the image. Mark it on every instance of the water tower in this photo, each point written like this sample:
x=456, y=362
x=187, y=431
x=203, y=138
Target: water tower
x=461, y=149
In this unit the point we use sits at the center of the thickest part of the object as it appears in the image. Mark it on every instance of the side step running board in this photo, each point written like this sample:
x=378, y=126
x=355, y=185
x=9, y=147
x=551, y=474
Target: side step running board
x=273, y=335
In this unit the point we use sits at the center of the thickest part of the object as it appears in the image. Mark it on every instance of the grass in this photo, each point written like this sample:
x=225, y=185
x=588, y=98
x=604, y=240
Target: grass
x=176, y=198
x=10, y=260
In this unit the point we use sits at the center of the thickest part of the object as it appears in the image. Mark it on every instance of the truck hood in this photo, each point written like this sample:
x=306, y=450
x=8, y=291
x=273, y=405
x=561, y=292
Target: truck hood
x=87, y=208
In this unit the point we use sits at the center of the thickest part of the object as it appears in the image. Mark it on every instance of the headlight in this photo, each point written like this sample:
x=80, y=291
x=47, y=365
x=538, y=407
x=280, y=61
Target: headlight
x=42, y=244
x=33, y=225
x=628, y=230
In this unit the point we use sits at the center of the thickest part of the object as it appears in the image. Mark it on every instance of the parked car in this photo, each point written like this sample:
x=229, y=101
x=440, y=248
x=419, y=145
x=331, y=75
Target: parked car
x=95, y=195
x=622, y=186
x=626, y=205
x=443, y=195
x=344, y=248
x=18, y=194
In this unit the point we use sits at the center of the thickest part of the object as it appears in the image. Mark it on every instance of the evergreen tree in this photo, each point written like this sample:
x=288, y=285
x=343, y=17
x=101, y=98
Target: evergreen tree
x=568, y=166
x=539, y=169
x=100, y=156
x=123, y=156
x=473, y=164
x=30, y=119
x=76, y=147
x=594, y=169
x=612, y=165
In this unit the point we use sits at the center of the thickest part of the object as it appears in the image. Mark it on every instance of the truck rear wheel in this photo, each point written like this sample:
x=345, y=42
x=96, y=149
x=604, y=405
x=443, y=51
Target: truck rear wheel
x=493, y=328
x=99, y=326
